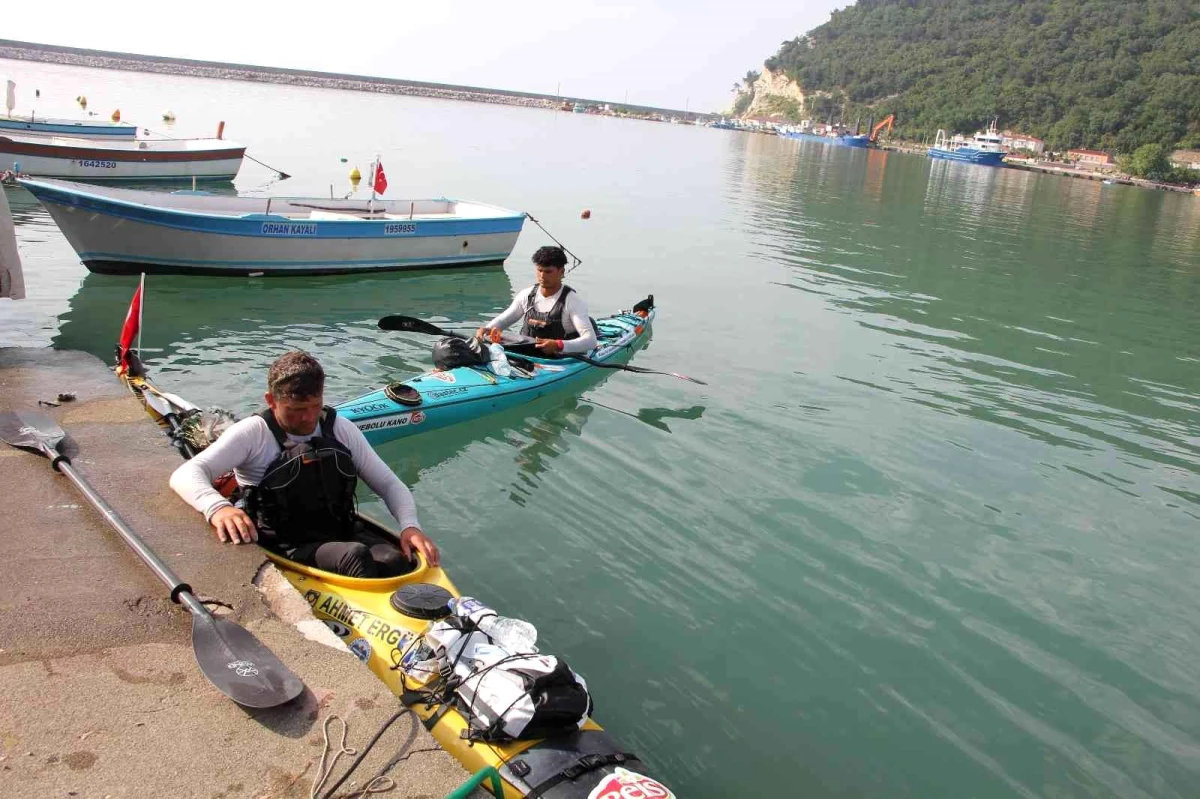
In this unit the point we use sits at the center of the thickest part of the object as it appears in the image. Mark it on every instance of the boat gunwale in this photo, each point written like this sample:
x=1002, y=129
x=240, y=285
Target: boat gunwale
x=121, y=202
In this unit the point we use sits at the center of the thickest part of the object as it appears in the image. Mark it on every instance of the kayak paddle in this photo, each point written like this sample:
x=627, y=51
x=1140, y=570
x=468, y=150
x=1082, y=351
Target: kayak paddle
x=411, y=324
x=232, y=659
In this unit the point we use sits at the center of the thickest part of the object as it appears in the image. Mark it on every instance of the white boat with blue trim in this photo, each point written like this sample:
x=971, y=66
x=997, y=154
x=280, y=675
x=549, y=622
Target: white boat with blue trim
x=126, y=231
x=33, y=125
x=985, y=148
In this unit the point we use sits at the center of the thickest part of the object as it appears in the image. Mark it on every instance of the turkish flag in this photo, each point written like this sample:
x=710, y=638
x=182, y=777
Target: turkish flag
x=132, y=321
x=380, y=184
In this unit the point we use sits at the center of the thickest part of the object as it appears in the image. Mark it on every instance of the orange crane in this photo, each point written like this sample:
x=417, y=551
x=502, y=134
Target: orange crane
x=887, y=121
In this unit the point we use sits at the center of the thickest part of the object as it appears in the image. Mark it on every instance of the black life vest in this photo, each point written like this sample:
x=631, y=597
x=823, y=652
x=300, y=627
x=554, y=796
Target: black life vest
x=548, y=324
x=307, y=493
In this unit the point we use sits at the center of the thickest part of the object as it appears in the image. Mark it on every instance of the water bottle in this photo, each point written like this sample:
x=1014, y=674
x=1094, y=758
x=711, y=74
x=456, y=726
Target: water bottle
x=515, y=636
x=499, y=361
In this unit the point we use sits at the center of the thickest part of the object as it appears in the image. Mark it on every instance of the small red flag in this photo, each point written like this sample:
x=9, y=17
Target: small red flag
x=380, y=184
x=129, y=330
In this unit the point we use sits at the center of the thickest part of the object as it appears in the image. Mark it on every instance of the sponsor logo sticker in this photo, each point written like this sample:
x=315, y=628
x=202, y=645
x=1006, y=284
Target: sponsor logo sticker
x=625, y=784
x=311, y=596
x=243, y=668
x=445, y=377
x=370, y=408
x=417, y=417
x=387, y=422
x=361, y=648
x=339, y=629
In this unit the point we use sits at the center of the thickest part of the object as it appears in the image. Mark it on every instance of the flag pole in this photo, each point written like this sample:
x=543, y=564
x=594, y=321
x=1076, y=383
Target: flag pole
x=374, y=174
x=141, y=309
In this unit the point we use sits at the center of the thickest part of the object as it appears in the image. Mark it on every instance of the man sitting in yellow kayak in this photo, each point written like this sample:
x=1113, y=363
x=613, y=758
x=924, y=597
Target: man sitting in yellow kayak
x=554, y=314
x=297, y=466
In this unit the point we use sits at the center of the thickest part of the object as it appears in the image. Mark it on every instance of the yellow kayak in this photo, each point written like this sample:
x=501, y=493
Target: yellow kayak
x=379, y=624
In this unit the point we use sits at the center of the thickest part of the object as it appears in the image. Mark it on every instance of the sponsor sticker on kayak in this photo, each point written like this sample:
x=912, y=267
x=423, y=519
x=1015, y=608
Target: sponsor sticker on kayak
x=625, y=784
x=339, y=629
x=361, y=648
x=445, y=377
x=386, y=422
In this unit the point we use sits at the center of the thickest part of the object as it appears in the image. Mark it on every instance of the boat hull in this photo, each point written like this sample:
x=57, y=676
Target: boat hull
x=115, y=131
x=127, y=238
x=79, y=161
x=968, y=155
x=360, y=613
x=861, y=141
x=462, y=394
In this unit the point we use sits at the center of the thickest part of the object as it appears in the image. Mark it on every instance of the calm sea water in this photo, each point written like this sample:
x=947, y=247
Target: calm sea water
x=932, y=528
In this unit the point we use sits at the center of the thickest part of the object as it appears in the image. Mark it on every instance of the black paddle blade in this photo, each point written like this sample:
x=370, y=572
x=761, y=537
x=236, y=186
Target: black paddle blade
x=240, y=666
x=412, y=325
x=30, y=430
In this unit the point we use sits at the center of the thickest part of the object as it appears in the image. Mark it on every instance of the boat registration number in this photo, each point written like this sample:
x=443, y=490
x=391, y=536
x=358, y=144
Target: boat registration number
x=399, y=228
x=98, y=164
x=289, y=229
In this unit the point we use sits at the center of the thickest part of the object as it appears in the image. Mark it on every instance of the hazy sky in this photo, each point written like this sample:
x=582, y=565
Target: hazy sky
x=662, y=52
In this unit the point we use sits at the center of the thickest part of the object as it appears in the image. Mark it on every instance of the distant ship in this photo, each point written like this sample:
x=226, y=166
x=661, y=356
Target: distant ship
x=984, y=148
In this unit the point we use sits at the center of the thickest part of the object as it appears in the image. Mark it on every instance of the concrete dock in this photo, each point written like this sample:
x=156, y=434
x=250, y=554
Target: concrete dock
x=101, y=693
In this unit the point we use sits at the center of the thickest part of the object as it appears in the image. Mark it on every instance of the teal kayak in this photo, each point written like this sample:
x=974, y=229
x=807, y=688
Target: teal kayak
x=444, y=398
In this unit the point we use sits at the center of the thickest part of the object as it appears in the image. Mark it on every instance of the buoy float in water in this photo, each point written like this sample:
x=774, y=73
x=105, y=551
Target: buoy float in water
x=355, y=175
x=83, y=101
x=587, y=214
x=168, y=116
x=116, y=116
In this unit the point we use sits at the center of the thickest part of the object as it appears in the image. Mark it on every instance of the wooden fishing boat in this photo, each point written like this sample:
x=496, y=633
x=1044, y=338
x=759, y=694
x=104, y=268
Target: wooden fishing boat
x=126, y=231
x=141, y=159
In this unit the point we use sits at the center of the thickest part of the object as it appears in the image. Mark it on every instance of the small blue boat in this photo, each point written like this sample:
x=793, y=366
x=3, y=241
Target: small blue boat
x=984, y=148
x=444, y=398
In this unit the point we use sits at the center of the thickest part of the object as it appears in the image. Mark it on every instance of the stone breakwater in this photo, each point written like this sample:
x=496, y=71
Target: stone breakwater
x=279, y=76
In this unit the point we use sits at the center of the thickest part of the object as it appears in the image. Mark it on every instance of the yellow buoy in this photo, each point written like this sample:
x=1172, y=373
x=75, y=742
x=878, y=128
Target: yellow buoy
x=355, y=175
x=83, y=100
x=116, y=117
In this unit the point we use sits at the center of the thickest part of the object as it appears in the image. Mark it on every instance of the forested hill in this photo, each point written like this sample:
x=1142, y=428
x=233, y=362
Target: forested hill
x=1111, y=74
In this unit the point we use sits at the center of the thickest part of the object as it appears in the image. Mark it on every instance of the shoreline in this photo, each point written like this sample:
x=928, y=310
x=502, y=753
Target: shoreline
x=131, y=62
x=1057, y=170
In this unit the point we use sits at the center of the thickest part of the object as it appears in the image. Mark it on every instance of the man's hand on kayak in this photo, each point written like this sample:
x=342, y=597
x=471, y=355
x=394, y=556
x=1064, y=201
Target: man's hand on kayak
x=550, y=346
x=232, y=524
x=413, y=539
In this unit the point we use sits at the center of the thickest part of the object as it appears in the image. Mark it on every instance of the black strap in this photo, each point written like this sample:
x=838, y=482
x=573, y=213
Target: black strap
x=442, y=710
x=583, y=765
x=328, y=415
x=560, y=303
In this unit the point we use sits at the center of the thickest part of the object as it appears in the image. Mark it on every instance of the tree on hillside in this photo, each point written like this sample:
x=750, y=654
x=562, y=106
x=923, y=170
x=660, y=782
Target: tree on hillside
x=1107, y=74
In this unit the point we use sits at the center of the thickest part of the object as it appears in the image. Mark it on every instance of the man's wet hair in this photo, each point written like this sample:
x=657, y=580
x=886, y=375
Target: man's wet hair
x=550, y=256
x=295, y=375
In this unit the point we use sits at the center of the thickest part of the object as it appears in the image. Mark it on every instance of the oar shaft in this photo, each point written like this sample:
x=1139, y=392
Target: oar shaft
x=160, y=569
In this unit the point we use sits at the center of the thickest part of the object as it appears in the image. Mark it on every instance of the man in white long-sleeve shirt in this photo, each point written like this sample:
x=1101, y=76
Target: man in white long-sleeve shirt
x=554, y=314
x=296, y=466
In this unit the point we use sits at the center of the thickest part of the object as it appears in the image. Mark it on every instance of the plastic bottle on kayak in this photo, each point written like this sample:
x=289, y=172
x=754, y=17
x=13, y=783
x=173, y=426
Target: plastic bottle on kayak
x=499, y=361
x=515, y=636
